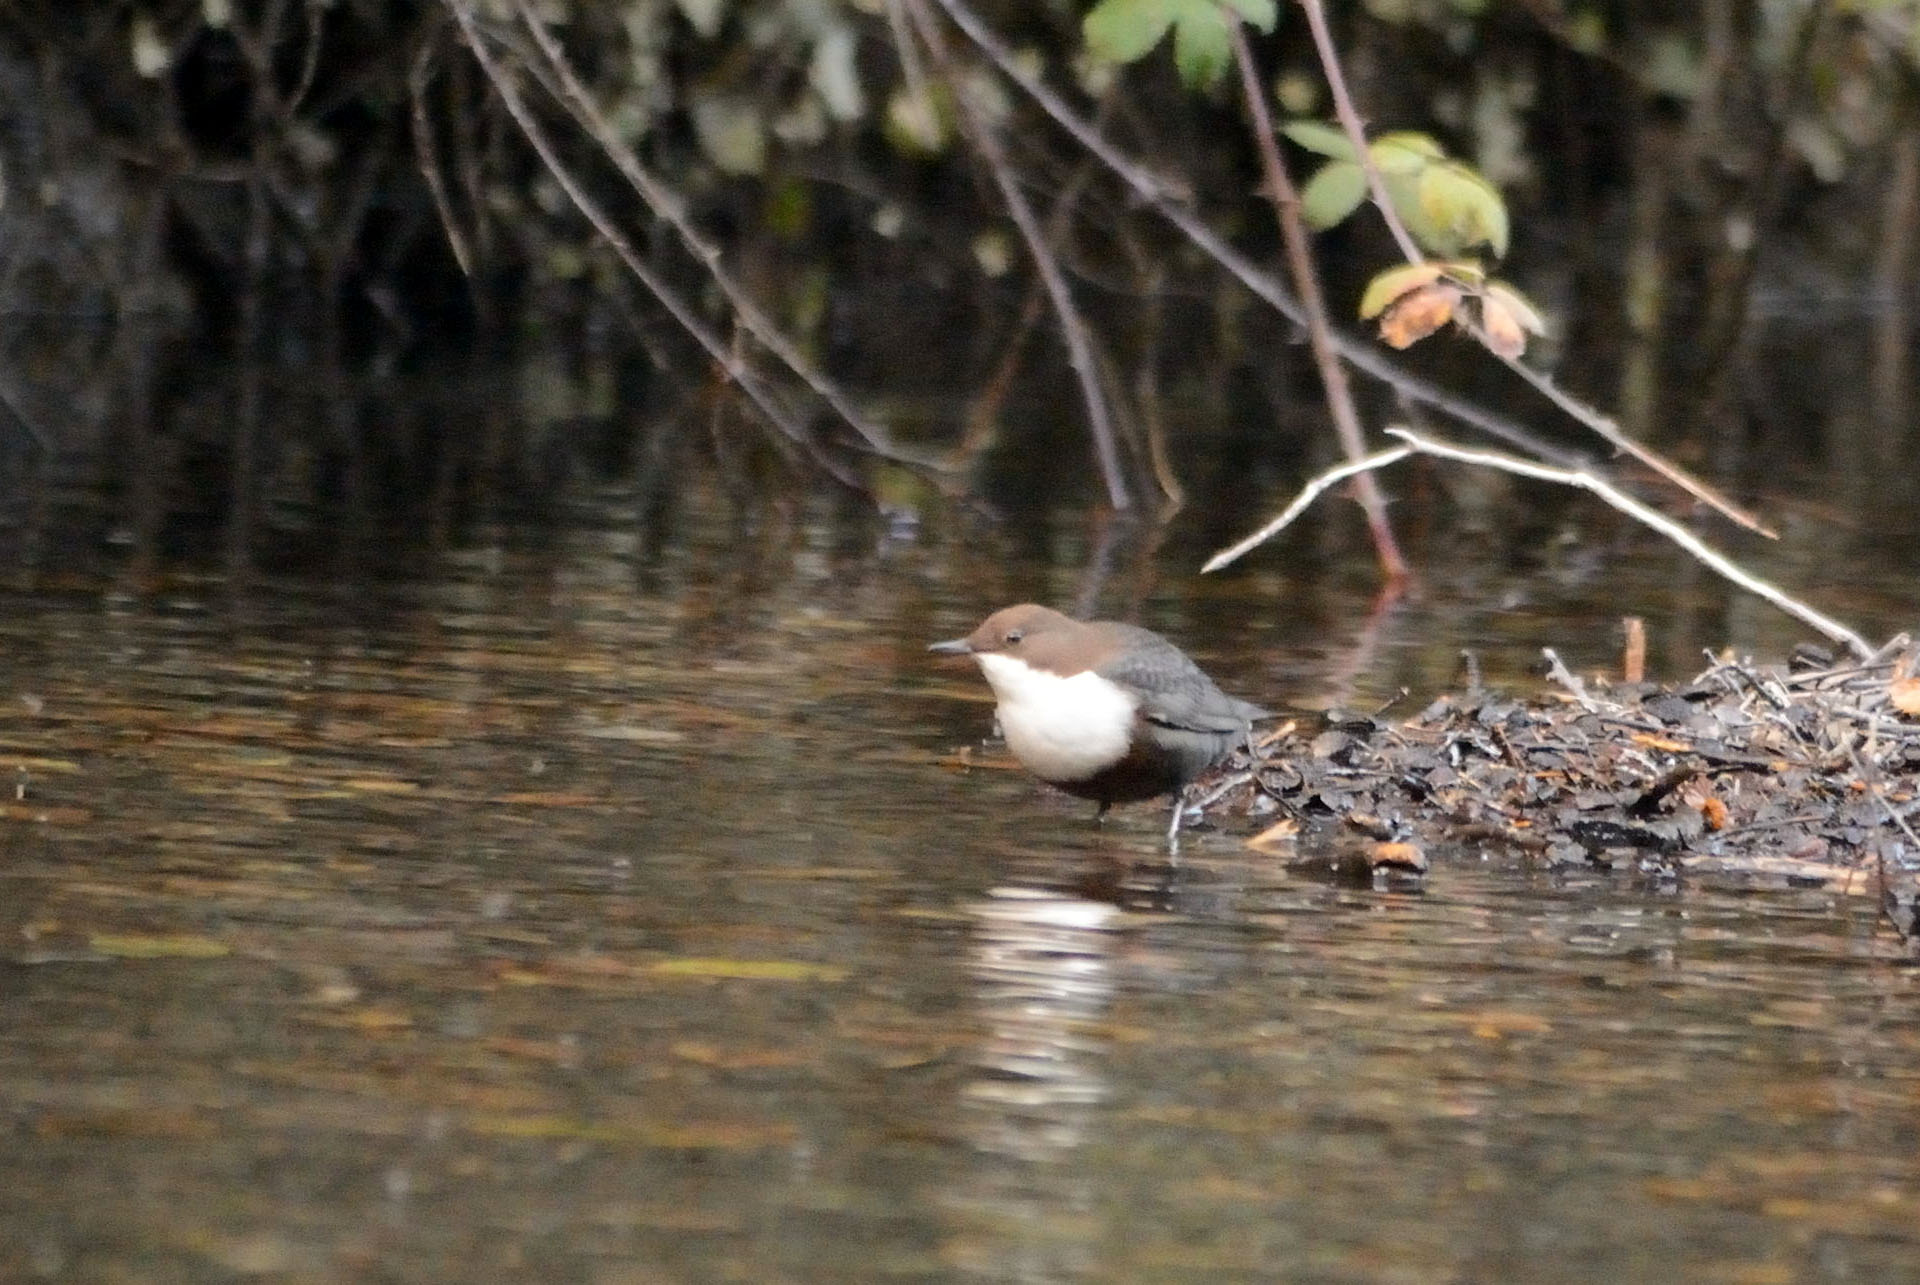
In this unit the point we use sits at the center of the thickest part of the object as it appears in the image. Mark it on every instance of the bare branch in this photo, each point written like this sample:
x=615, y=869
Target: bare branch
x=1558, y=672
x=986, y=141
x=427, y=153
x=722, y=355
x=1306, y=280
x=666, y=205
x=1724, y=566
x=1349, y=117
x=1379, y=459
x=1611, y=431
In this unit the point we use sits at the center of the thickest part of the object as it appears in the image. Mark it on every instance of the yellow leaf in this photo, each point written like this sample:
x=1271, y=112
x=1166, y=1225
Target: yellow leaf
x=1404, y=152
x=759, y=970
x=44, y=765
x=675, y=1134
x=1391, y=284
x=44, y=815
x=1497, y=1025
x=379, y=785
x=369, y=1019
x=1653, y=742
x=545, y=799
x=140, y=946
x=736, y=1059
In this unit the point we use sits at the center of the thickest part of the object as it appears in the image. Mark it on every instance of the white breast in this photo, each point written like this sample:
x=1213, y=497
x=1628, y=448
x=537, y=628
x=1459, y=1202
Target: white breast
x=1061, y=729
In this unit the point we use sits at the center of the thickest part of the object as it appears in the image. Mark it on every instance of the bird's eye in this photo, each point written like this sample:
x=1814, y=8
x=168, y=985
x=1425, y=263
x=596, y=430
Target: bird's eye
x=1013, y=636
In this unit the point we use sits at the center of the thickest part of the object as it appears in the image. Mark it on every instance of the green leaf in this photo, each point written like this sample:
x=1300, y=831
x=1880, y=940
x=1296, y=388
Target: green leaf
x=1257, y=13
x=1123, y=31
x=1404, y=152
x=1318, y=136
x=1403, y=190
x=1462, y=209
x=1333, y=193
x=1202, y=48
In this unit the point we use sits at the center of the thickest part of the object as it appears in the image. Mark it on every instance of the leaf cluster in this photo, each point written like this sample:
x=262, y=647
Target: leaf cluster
x=1445, y=204
x=1124, y=31
x=1448, y=209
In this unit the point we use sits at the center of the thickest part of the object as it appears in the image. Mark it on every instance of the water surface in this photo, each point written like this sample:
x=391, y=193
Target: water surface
x=554, y=912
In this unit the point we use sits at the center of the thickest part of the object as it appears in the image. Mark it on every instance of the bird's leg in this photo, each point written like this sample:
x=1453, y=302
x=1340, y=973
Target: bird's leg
x=1173, y=822
x=1100, y=817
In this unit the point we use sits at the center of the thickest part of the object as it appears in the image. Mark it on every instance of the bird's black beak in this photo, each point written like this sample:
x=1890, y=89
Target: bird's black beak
x=952, y=647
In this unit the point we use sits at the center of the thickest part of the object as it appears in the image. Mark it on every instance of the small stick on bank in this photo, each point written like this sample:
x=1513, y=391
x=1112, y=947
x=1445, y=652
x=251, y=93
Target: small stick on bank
x=1633, y=659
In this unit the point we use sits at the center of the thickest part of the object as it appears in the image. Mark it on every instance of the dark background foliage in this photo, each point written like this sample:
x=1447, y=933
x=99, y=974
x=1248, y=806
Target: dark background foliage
x=222, y=239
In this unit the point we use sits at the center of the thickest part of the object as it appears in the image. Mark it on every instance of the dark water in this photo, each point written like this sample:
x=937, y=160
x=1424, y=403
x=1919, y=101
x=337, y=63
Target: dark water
x=557, y=915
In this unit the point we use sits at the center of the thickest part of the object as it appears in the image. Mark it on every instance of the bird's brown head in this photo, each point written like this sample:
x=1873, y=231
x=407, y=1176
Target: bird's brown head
x=1038, y=635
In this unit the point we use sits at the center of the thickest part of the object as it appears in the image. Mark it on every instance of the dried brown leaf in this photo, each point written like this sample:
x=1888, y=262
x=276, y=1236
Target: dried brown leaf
x=1905, y=695
x=1504, y=334
x=1278, y=835
x=1398, y=856
x=1419, y=313
x=1714, y=811
x=1666, y=743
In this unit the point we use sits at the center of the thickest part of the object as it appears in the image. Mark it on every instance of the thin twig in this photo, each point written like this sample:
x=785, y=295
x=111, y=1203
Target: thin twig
x=1876, y=786
x=1349, y=118
x=1558, y=672
x=722, y=354
x=910, y=69
x=1615, y=437
x=1585, y=481
x=986, y=140
x=1379, y=459
x=1306, y=282
x=21, y=420
x=665, y=205
x=1733, y=273
x=426, y=151
x=1146, y=396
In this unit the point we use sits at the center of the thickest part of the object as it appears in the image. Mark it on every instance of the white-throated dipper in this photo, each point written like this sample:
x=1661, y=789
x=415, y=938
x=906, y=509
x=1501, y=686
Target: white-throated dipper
x=1102, y=710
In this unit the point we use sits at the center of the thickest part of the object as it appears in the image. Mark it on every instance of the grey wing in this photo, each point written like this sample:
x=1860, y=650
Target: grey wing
x=1176, y=693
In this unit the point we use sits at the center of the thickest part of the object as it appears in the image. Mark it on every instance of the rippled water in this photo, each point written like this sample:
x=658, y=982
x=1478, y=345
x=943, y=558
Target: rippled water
x=543, y=918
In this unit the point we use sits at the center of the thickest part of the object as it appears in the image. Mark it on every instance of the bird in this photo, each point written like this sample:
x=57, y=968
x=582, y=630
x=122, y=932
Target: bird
x=1103, y=710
